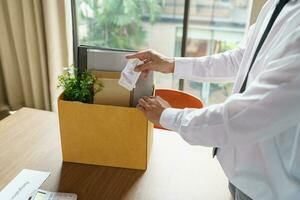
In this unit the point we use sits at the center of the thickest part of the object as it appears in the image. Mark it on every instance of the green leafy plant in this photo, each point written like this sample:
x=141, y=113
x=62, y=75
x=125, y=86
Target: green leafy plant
x=79, y=86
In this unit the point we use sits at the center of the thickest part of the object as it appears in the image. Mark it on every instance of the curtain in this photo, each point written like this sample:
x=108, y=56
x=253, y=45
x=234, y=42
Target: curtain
x=34, y=47
x=3, y=102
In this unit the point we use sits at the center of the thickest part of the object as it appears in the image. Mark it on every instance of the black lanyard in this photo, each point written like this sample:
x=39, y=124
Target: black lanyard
x=275, y=14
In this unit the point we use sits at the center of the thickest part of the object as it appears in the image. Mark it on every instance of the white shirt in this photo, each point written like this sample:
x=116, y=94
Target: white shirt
x=257, y=132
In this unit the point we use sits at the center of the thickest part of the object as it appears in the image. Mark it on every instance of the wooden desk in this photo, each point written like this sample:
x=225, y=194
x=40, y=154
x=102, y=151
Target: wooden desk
x=30, y=139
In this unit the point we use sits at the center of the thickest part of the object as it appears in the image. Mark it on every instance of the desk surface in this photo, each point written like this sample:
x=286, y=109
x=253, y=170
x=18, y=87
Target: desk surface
x=30, y=139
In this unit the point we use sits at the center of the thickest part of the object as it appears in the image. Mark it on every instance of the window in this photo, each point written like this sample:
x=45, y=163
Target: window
x=214, y=26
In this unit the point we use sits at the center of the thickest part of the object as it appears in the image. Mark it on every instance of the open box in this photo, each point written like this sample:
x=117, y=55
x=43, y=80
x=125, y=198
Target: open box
x=106, y=135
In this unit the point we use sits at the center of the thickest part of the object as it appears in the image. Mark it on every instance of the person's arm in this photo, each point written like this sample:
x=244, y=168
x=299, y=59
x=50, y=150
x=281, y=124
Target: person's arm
x=269, y=106
x=218, y=67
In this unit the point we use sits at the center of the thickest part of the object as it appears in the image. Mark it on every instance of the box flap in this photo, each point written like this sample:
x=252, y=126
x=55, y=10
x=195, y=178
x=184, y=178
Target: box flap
x=112, y=93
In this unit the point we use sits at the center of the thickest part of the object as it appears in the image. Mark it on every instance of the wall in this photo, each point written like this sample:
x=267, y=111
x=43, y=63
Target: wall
x=256, y=7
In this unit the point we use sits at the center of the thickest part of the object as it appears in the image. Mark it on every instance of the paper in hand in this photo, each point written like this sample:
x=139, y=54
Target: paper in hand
x=129, y=77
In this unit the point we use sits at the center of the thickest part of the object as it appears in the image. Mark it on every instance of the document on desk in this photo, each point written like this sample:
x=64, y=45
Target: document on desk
x=23, y=185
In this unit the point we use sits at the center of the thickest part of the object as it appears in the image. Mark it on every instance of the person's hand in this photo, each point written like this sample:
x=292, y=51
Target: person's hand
x=153, y=61
x=153, y=107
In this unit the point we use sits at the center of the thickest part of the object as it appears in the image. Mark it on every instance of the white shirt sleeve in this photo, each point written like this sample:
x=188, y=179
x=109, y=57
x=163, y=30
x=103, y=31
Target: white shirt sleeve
x=269, y=106
x=217, y=68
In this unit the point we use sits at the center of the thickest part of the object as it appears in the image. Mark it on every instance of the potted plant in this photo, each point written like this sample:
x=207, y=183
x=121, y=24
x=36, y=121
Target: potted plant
x=79, y=86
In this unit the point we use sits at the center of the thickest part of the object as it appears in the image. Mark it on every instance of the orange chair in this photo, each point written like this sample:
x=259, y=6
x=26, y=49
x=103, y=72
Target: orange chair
x=178, y=99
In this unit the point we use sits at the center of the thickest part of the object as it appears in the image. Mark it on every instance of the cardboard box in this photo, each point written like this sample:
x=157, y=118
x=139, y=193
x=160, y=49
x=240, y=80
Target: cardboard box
x=112, y=93
x=104, y=134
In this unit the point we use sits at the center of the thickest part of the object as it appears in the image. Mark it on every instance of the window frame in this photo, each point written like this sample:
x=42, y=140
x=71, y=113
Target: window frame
x=77, y=54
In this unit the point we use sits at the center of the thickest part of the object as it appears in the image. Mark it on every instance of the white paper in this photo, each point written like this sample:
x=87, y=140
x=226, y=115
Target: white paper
x=23, y=185
x=129, y=77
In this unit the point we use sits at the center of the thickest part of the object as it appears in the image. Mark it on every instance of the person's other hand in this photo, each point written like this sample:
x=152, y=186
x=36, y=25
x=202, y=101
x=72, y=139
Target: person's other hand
x=153, y=107
x=153, y=61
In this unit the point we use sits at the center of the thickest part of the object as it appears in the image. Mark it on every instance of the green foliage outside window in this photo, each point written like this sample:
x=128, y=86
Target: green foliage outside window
x=225, y=46
x=117, y=23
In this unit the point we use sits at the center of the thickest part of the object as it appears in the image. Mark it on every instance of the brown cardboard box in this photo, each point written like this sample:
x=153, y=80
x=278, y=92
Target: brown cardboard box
x=104, y=134
x=112, y=93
